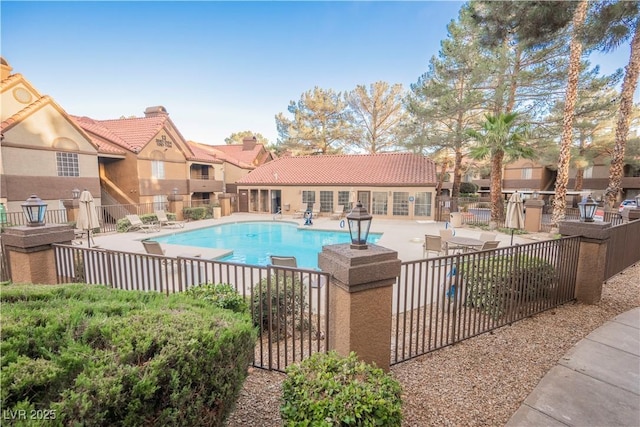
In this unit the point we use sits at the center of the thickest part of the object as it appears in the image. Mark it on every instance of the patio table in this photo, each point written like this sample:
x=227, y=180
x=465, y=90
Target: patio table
x=464, y=242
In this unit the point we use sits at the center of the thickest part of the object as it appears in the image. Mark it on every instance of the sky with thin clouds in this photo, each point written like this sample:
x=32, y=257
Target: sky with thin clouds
x=220, y=67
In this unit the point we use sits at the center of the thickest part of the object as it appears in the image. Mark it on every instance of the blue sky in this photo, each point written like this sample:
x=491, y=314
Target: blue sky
x=220, y=67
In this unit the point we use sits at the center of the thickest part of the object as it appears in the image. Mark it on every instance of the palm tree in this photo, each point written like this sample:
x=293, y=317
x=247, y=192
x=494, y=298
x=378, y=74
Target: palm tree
x=500, y=139
x=559, y=201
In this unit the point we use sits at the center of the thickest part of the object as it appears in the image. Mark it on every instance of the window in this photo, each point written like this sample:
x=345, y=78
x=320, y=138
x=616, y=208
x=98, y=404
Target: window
x=159, y=203
x=401, y=203
x=157, y=169
x=588, y=172
x=326, y=201
x=379, y=203
x=527, y=173
x=343, y=198
x=309, y=197
x=67, y=164
x=422, y=205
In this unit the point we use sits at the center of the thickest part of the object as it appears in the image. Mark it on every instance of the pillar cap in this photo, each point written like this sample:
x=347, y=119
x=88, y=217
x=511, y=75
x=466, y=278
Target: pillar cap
x=596, y=230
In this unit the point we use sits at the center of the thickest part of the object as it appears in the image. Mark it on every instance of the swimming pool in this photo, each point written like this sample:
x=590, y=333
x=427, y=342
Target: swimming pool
x=253, y=241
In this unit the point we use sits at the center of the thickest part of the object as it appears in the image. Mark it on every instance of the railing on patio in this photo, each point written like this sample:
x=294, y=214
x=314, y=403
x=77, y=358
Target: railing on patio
x=289, y=305
x=623, y=248
x=442, y=301
x=52, y=216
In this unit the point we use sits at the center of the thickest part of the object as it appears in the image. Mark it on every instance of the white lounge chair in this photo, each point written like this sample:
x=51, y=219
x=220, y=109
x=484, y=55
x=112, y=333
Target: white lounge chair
x=137, y=224
x=164, y=220
x=283, y=261
x=154, y=248
x=338, y=213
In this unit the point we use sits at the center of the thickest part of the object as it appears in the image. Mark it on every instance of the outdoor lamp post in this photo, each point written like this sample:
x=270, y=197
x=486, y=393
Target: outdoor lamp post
x=587, y=209
x=34, y=209
x=75, y=194
x=359, y=221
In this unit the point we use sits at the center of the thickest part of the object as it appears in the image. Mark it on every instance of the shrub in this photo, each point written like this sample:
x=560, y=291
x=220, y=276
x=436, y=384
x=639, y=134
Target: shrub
x=329, y=390
x=123, y=224
x=221, y=295
x=97, y=356
x=468, y=188
x=286, y=297
x=200, y=212
x=494, y=281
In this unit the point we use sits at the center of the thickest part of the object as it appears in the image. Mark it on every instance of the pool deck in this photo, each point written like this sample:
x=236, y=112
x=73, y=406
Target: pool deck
x=404, y=236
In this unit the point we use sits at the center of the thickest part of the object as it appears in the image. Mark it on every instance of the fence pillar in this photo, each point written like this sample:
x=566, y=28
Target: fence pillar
x=176, y=205
x=591, y=259
x=30, y=252
x=360, y=300
x=533, y=215
x=72, y=206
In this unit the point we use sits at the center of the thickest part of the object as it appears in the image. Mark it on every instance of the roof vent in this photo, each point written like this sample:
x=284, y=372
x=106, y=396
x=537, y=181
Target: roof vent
x=156, y=111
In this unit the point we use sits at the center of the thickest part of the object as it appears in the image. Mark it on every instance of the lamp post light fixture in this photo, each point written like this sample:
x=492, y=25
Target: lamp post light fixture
x=359, y=221
x=75, y=194
x=587, y=209
x=34, y=209
x=175, y=191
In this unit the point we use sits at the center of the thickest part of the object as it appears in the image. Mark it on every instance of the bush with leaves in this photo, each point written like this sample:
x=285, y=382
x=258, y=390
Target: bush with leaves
x=494, y=282
x=286, y=297
x=200, y=212
x=330, y=390
x=123, y=224
x=103, y=357
x=221, y=295
x=467, y=188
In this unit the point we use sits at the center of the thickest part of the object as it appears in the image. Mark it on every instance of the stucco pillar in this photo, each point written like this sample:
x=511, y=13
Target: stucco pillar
x=72, y=206
x=592, y=257
x=176, y=205
x=533, y=215
x=30, y=254
x=360, y=300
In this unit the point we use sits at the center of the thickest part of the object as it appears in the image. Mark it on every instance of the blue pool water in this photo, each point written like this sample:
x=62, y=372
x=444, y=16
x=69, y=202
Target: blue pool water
x=253, y=242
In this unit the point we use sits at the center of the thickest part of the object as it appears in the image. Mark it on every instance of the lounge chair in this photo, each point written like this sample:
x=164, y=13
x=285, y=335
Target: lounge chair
x=485, y=237
x=137, y=224
x=299, y=213
x=490, y=244
x=164, y=220
x=154, y=248
x=316, y=209
x=283, y=261
x=338, y=213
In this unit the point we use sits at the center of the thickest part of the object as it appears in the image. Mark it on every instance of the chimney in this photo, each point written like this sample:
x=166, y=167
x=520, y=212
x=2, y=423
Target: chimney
x=5, y=68
x=249, y=143
x=156, y=111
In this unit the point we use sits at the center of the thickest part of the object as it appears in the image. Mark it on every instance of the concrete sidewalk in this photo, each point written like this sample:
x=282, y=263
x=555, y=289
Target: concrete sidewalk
x=597, y=383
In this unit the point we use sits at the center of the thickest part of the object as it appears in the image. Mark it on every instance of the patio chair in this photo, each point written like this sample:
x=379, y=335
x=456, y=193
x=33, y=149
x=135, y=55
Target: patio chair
x=432, y=244
x=315, y=210
x=154, y=248
x=283, y=261
x=485, y=237
x=445, y=235
x=164, y=220
x=137, y=224
x=490, y=244
x=299, y=213
x=338, y=213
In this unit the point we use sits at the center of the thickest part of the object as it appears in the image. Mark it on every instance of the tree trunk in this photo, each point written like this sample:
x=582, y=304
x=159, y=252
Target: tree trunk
x=497, y=205
x=579, y=179
x=624, y=116
x=457, y=173
x=562, y=178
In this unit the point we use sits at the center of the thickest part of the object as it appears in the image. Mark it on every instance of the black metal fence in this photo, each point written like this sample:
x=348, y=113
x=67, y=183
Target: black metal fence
x=5, y=274
x=623, y=248
x=288, y=305
x=441, y=301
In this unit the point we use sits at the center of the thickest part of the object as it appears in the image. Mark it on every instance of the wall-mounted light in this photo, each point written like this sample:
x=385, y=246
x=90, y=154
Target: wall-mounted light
x=75, y=193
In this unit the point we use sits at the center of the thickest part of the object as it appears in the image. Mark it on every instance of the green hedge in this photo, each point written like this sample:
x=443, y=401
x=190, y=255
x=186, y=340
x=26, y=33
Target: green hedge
x=200, y=212
x=287, y=299
x=221, y=295
x=95, y=356
x=329, y=390
x=494, y=281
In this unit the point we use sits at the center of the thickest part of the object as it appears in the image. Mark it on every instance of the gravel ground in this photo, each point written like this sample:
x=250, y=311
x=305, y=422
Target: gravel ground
x=479, y=382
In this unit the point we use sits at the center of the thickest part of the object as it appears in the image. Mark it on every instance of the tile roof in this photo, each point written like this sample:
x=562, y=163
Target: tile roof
x=130, y=133
x=367, y=169
x=200, y=152
x=234, y=154
x=93, y=127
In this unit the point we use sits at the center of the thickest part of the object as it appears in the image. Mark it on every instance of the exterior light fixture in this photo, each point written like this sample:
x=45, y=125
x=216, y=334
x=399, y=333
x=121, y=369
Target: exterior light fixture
x=535, y=194
x=359, y=221
x=75, y=194
x=34, y=209
x=587, y=209
x=175, y=191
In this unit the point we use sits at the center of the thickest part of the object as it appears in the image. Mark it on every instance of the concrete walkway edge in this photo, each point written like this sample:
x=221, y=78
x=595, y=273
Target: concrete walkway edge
x=597, y=383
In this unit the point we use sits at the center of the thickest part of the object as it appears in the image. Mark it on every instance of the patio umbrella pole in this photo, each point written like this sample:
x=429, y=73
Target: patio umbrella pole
x=512, y=231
